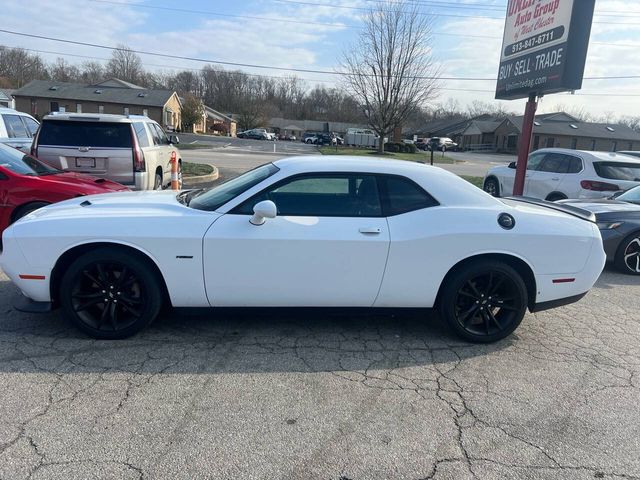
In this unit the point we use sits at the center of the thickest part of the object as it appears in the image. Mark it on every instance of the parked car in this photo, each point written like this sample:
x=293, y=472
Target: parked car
x=254, y=134
x=129, y=149
x=307, y=231
x=618, y=218
x=422, y=143
x=310, y=138
x=559, y=173
x=441, y=144
x=287, y=138
x=17, y=129
x=27, y=184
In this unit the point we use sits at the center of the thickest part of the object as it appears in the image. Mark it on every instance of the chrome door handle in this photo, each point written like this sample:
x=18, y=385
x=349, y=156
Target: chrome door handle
x=366, y=230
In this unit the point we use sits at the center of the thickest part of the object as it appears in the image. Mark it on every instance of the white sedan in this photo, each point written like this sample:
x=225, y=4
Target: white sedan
x=308, y=231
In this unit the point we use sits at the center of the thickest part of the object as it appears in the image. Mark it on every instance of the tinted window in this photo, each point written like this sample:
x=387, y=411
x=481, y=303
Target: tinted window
x=141, y=134
x=401, y=195
x=159, y=137
x=15, y=127
x=17, y=162
x=31, y=124
x=534, y=161
x=618, y=170
x=215, y=197
x=554, y=163
x=575, y=165
x=323, y=195
x=88, y=134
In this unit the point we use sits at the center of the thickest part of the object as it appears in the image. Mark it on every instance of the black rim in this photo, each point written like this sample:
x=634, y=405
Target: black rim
x=488, y=303
x=108, y=296
x=632, y=255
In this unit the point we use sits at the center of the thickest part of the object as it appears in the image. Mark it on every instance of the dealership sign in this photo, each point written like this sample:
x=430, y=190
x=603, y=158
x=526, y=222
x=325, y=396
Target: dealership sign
x=544, y=47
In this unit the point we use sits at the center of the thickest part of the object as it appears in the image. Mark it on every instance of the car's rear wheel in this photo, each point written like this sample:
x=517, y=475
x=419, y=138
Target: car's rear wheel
x=492, y=187
x=554, y=197
x=157, y=183
x=484, y=301
x=110, y=294
x=627, y=258
x=25, y=210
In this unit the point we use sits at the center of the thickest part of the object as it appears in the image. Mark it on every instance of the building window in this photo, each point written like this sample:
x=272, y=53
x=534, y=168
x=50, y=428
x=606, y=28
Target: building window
x=630, y=145
x=100, y=108
x=145, y=112
x=574, y=143
x=54, y=107
x=614, y=146
x=536, y=142
x=126, y=110
x=78, y=108
x=34, y=107
x=551, y=142
x=593, y=145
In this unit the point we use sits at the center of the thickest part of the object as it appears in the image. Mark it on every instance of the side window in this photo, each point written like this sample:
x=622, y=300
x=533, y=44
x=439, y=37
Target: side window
x=141, y=134
x=31, y=124
x=162, y=137
x=555, y=163
x=15, y=127
x=322, y=195
x=401, y=195
x=575, y=165
x=157, y=140
x=533, y=163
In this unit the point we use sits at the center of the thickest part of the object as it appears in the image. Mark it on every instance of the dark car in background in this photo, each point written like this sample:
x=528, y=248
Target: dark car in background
x=619, y=223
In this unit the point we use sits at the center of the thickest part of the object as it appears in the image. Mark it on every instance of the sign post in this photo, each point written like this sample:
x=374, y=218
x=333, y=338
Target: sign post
x=544, y=50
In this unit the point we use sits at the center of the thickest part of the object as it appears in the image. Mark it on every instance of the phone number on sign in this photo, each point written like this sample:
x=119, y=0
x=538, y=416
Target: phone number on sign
x=536, y=41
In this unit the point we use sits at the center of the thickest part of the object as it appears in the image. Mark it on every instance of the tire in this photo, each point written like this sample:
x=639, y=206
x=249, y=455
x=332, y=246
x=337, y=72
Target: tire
x=309, y=142
x=554, y=197
x=492, y=186
x=627, y=258
x=25, y=210
x=157, y=182
x=483, y=301
x=97, y=274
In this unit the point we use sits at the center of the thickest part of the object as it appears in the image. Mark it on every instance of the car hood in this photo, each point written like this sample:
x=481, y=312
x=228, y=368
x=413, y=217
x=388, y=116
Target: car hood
x=85, y=183
x=118, y=204
x=603, y=206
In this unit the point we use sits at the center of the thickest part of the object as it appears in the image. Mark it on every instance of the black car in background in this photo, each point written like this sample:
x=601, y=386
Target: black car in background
x=619, y=223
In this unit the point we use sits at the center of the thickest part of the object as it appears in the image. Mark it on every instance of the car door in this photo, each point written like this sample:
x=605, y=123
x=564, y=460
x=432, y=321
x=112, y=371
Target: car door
x=326, y=247
x=163, y=152
x=533, y=163
x=546, y=178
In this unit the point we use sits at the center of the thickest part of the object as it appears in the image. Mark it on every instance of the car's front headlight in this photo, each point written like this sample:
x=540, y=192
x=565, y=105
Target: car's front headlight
x=609, y=225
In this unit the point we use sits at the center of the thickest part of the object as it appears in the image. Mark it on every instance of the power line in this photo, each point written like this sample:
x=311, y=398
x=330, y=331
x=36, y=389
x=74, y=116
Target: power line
x=270, y=67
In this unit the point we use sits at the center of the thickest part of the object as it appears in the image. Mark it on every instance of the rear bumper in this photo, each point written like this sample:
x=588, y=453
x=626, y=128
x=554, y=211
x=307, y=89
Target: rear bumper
x=25, y=304
x=540, y=307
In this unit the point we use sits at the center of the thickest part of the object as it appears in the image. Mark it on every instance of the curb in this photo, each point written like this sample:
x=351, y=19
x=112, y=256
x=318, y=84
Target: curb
x=191, y=180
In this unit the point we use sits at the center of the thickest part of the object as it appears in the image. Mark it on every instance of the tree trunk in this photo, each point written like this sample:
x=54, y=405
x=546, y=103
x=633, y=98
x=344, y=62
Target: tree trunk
x=381, y=144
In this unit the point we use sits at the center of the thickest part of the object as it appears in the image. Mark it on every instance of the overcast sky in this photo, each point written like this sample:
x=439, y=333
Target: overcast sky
x=311, y=34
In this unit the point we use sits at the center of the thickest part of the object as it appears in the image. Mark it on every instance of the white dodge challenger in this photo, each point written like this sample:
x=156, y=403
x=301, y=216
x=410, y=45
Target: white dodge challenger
x=306, y=232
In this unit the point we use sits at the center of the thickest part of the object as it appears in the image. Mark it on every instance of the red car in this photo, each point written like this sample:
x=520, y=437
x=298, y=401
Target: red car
x=27, y=184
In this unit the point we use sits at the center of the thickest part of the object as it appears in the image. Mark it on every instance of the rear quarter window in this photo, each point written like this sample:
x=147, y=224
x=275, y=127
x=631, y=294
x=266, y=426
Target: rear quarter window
x=401, y=195
x=618, y=170
x=141, y=134
x=85, y=134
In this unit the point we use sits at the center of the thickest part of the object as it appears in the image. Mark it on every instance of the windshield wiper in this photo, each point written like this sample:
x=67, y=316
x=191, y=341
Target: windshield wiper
x=188, y=195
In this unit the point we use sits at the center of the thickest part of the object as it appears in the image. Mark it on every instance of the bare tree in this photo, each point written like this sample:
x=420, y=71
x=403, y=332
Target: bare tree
x=19, y=67
x=390, y=70
x=125, y=64
x=63, y=71
x=92, y=72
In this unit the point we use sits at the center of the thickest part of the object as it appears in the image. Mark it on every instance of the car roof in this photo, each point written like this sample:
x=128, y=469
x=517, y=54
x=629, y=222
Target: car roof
x=444, y=186
x=96, y=117
x=593, y=155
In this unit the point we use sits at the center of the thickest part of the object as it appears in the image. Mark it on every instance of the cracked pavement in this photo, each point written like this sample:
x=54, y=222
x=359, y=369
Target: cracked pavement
x=309, y=394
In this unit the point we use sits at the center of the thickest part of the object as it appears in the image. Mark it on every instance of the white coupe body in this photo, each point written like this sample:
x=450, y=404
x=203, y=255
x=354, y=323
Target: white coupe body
x=218, y=257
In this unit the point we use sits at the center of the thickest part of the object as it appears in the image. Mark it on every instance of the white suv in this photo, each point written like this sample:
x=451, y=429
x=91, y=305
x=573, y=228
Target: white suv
x=17, y=129
x=129, y=149
x=559, y=173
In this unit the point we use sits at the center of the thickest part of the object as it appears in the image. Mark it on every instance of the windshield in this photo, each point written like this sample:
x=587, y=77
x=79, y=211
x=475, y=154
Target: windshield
x=632, y=196
x=17, y=162
x=215, y=197
x=618, y=170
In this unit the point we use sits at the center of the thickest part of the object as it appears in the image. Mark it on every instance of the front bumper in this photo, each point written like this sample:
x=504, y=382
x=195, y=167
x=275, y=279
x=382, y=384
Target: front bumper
x=611, y=238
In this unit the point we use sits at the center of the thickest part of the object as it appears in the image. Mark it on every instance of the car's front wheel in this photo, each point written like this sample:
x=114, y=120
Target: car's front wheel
x=627, y=258
x=484, y=301
x=109, y=293
x=492, y=187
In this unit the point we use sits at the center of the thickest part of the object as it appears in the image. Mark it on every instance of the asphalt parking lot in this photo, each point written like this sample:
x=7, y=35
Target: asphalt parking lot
x=303, y=394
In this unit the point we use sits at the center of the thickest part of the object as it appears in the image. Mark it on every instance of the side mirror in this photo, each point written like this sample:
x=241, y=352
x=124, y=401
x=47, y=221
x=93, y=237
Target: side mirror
x=512, y=165
x=174, y=140
x=262, y=211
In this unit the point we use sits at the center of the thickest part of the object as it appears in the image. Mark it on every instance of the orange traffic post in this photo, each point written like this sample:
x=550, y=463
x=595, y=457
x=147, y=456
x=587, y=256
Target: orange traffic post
x=175, y=181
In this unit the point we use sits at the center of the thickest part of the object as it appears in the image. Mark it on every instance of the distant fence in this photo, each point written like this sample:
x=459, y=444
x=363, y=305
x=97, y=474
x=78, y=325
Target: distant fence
x=480, y=147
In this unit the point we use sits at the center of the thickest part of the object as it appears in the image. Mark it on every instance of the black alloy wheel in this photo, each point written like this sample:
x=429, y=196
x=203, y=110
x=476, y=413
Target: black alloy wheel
x=628, y=255
x=484, y=302
x=492, y=187
x=110, y=294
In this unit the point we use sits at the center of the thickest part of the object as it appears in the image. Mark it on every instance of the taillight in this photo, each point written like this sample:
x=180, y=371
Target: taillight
x=138, y=155
x=599, y=186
